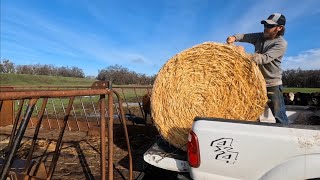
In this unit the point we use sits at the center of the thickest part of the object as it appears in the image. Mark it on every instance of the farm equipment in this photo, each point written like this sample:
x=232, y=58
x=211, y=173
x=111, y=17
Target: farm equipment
x=16, y=168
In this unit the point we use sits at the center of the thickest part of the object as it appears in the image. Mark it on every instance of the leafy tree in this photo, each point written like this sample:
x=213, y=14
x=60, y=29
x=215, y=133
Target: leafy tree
x=301, y=78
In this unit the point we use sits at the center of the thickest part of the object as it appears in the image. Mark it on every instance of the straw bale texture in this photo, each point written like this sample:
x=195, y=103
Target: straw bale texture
x=207, y=80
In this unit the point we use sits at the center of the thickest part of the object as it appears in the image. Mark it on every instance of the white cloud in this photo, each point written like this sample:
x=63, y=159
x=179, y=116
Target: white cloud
x=306, y=60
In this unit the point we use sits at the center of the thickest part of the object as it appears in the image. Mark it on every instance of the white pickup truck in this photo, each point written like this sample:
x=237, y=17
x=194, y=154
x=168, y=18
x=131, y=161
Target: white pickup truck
x=230, y=149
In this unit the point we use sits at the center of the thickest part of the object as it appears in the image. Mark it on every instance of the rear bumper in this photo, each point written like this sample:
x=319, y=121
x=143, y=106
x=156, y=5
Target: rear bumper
x=167, y=157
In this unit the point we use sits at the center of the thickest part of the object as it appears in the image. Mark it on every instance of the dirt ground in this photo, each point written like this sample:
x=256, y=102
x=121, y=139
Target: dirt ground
x=80, y=154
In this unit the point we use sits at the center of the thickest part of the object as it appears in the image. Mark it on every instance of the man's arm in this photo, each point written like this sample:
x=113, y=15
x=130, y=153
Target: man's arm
x=273, y=53
x=251, y=38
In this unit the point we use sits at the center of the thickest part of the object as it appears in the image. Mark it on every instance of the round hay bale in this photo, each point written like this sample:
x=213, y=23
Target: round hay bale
x=207, y=80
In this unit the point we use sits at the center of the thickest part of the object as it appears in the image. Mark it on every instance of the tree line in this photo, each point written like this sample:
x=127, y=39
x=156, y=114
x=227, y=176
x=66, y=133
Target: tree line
x=38, y=69
x=116, y=73
x=301, y=78
x=121, y=75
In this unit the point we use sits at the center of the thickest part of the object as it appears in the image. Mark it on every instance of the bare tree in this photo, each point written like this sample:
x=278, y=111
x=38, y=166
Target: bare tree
x=77, y=72
x=7, y=66
x=1, y=68
x=50, y=70
x=24, y=69
x=121, y=75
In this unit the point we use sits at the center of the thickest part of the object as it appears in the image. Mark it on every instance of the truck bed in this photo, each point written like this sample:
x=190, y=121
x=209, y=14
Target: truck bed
x=232, y=149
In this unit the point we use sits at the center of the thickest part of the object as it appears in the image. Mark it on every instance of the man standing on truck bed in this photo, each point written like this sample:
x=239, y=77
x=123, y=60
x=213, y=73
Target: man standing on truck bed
x=270, y=47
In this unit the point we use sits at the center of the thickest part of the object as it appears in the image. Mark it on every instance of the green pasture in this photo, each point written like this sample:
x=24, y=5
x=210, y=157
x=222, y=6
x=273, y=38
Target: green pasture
x=40, y=80
x=302, y=90
x=85, y=104
x=128, y=93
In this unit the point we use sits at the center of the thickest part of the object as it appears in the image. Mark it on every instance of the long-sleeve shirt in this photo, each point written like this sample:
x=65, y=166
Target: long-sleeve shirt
x=268, y=55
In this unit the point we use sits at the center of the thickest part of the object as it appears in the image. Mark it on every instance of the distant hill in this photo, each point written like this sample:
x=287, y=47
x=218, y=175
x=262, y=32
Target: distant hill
x=40, y=80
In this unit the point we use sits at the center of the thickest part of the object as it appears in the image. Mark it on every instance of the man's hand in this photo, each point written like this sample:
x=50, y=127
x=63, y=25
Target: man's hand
x=240, y=49
x=231, y=39
x=253, y=57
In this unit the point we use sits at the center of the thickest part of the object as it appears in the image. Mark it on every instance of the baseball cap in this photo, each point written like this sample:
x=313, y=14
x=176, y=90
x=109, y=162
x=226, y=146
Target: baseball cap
x=275, y=19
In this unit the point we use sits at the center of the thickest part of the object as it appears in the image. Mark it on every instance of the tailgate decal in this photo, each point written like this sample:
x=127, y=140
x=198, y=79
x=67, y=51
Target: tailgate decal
x=223, y=150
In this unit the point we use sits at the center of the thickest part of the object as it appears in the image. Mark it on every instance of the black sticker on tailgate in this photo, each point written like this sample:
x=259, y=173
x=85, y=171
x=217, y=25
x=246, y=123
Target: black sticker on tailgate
x=223, y=150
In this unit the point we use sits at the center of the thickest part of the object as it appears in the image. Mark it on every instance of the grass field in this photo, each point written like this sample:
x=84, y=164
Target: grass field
x=40, y=80
x=302, y=90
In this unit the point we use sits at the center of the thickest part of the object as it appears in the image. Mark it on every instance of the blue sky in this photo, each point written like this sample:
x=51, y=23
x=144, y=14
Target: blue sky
x=142, y=35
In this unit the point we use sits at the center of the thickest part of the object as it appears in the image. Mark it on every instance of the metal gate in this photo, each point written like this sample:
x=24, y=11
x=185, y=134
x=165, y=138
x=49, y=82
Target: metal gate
x=78, y=109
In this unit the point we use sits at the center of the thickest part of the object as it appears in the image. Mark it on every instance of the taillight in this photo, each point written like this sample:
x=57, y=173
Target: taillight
x=193, y=150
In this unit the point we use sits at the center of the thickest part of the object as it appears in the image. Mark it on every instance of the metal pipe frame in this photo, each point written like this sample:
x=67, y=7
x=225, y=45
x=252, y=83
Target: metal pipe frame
x=17, y=140
x=33, y=97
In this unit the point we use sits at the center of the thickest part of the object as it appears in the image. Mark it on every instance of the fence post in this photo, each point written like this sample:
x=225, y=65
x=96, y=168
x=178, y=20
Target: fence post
x=6, y=112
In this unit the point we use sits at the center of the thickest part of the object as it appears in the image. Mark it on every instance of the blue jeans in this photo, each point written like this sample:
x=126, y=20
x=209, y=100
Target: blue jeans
x=276, y=104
